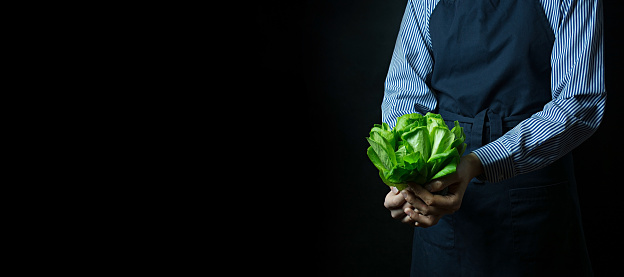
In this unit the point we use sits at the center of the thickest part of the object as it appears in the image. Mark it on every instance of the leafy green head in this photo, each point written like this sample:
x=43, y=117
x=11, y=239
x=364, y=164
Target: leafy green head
x=418, y=149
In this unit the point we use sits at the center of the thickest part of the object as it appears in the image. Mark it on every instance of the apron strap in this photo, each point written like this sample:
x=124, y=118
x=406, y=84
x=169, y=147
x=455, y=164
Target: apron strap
x=476, y=136
x=494, y=121
x=496, y=125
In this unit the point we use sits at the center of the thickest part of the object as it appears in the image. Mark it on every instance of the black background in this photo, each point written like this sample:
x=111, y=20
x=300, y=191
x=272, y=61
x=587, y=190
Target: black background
x=324, y=64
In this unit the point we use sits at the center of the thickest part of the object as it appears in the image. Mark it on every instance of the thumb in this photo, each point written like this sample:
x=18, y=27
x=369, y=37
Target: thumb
x=441, y=183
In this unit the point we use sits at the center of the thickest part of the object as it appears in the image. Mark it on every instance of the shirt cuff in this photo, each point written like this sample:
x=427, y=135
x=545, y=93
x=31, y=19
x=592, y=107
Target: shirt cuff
x=497, y=162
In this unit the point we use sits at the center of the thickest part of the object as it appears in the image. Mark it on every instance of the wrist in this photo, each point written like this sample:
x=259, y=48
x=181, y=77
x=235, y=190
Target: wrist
x=474, y=165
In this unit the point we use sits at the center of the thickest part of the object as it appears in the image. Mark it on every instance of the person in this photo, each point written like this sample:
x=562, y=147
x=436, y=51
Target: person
x=526, y=81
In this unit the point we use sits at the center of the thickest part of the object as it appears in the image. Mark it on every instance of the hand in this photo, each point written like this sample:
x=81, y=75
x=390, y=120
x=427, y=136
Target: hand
x=396, y=203
x=428, y=208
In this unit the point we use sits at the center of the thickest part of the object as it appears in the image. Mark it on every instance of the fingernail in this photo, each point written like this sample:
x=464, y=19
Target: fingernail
x=395, y=190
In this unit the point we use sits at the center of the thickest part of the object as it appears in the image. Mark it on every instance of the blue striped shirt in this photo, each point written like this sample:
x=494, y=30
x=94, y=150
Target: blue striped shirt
x=577, y=87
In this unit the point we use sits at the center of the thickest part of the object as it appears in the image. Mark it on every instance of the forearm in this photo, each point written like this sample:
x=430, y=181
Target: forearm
x=542, y=139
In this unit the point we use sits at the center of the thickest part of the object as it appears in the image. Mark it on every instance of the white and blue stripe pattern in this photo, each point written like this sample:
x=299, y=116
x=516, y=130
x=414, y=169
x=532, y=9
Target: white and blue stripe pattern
x=577, y=85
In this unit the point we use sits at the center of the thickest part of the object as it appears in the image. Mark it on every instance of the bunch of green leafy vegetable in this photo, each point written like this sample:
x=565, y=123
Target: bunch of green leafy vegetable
x=418, y=149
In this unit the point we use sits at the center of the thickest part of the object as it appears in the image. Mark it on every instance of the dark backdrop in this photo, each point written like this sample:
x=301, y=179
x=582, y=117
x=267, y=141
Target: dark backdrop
x=327, y=61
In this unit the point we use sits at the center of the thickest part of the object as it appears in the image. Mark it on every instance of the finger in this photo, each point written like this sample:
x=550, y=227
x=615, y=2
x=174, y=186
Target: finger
x=406, y=210
x=451, y=201
x=440, y=205
x=394, y=190
x=421, y=193
x=445, y=201
x=424, y=221
x=425, y=209
x=448, y=202
x=397, y=213
x=413, y=200
x=400, y=213
x=419, y=204
x=435, y=185
x=441, y=183
x=408, y=220
x=393, y=201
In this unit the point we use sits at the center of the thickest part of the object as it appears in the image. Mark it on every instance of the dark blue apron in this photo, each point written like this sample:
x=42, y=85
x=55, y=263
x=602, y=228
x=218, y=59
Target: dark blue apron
x=492, y=70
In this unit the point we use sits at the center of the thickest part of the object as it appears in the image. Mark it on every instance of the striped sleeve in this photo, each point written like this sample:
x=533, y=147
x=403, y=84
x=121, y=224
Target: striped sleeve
x=405, y=88
x=578, y=92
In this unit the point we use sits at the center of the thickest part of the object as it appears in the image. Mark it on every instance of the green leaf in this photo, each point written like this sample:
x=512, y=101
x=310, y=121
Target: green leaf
x=461, y=148
x=449, y=168
x=375, y=159
x=407, y=119
x=441, y=139
x=418, y=141
x=400, y=153
x=389, y=147
x=382, y=154
x=414, y=160
x=384, y=131
x=399, y=186
x=440, y=161
x=408, y=122
x=397, y=174
x=434, y=120
x=418, y=165
x=460, y=137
